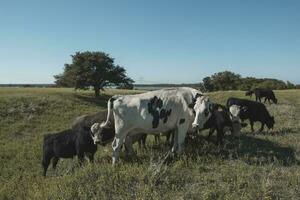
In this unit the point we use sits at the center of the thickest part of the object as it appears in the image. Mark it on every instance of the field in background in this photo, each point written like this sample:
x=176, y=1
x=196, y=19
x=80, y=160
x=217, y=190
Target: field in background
x=264, y=166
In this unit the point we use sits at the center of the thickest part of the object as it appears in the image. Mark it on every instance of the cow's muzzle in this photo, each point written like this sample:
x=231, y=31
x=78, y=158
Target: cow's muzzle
x=195, y=126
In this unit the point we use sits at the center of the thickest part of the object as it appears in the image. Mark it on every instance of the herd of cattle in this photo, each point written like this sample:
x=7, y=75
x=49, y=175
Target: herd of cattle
x=173, y=112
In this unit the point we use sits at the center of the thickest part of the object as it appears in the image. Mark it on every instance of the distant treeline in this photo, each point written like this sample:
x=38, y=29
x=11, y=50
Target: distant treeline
x=28, y=85
x=227, y=80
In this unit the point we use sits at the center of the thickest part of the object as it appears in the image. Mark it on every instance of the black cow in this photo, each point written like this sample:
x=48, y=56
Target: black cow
x=67, y=144
x=254, y=111
x=221, y=118
x=260, y=93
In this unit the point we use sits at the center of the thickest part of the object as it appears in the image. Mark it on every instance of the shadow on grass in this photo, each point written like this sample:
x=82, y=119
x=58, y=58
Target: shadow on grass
x=250, y=149
x=97, y=101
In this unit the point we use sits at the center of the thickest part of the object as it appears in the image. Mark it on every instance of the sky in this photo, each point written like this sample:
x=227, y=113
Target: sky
x=156, y=41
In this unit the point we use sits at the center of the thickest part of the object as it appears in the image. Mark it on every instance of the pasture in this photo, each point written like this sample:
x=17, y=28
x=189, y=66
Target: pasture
x=260, y=166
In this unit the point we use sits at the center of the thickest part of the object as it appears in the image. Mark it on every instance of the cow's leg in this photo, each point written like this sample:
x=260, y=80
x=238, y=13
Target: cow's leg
x=157, y=139
x=139, y=142
x=252, y=124
x=175, y=143
x=117, y=143
x=54, y=162
x=181, y=134
x=168, y=135
x=266, y=100
x=80, y=156
x=220, y=134
x=128, y=146
x=172, y=138
x=46, y=161
x=144, y=137
x=211, y=131
x=262, y=127
x=256, y=97
x=91, y=157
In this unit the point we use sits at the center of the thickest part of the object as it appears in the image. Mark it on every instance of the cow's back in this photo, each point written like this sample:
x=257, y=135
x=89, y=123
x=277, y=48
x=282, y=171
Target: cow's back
x=136, y=110
x=64, y=144
x=255, y=110
x=88, y=120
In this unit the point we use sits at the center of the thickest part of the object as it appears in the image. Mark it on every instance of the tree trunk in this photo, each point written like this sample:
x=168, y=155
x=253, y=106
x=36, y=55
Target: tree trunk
x=97, y=91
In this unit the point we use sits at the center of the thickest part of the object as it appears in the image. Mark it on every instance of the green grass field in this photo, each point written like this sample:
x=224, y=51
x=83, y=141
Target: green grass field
x=264, y=166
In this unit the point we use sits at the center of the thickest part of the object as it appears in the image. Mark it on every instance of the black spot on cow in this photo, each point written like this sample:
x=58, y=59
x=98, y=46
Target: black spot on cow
x=164, y=114
x=155, y=121
x=153, y=106
x=155, y=109
x=182, y=121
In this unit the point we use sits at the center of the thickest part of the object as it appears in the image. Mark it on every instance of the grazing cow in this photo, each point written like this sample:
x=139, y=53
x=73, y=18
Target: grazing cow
x=86, y=121
x=160, y=111
x=260, y=93
x=249, y=93
x=221, y=118
x=254, y=111
x=67, y=144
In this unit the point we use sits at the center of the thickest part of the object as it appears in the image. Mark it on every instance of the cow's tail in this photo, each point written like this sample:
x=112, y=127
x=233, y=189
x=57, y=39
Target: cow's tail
x=110, y=105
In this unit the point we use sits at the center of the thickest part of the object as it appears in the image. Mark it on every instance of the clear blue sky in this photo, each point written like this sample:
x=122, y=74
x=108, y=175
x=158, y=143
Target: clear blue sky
x=156, y=41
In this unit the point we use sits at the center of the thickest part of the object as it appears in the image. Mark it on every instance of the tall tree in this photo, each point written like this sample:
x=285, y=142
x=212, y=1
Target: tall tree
x=92, y=69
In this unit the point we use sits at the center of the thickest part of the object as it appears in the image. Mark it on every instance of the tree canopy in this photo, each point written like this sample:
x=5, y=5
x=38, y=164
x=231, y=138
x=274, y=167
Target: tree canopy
x=93, y=69
x=227, y=80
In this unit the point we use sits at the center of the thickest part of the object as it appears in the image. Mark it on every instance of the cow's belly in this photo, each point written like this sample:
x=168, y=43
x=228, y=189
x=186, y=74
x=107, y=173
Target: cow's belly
x=147, y=125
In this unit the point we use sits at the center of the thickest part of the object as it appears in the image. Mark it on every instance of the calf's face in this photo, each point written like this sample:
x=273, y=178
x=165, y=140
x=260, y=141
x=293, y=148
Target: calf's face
x=102, y=135
x=235, y=119
x=203, y=110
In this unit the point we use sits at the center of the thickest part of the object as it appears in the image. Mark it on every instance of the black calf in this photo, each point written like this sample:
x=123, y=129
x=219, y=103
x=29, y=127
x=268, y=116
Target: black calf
x=219, y=119
x=67, y=144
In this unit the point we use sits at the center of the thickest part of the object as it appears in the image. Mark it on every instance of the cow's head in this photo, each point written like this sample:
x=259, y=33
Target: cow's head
x=249, y=93
x=234, y=111
x=202, y=109
x=270, y=122
x=275, y=100
x=102, y=135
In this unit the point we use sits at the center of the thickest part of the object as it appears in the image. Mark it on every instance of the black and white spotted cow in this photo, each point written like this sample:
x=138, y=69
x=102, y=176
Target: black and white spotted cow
x=180, y=109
